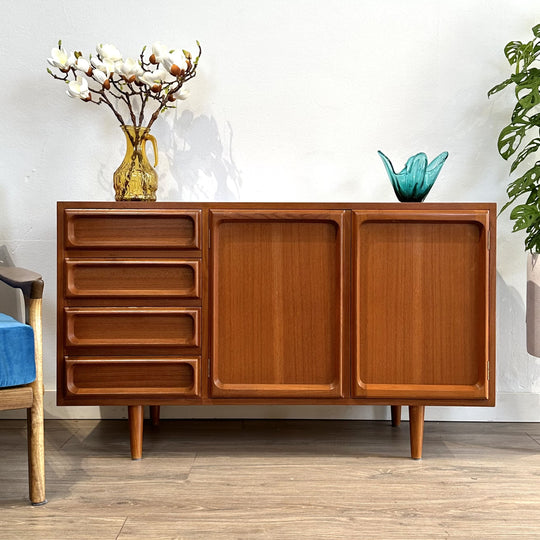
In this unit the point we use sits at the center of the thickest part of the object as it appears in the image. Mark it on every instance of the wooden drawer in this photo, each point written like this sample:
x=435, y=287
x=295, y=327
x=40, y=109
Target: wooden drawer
x=131, y=376
x=140, y=327
x=132, y=278
x=128, y=229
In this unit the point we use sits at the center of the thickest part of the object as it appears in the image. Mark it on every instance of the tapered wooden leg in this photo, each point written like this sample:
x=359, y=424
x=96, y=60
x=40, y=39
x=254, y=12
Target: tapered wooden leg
x=136, y=416
x=154, y=414
x=36, y=455
x=34, y=415
x=416, y=425
x=396, y=415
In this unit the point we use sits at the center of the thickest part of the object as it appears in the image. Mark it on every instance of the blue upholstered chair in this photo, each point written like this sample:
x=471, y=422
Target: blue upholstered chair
x=21, y=374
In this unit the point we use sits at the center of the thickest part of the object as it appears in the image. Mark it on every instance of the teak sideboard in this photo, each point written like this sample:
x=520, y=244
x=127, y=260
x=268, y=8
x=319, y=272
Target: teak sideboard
x=285, y=303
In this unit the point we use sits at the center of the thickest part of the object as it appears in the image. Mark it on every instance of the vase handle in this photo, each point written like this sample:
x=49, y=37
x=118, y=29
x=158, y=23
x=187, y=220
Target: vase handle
x=152, y=139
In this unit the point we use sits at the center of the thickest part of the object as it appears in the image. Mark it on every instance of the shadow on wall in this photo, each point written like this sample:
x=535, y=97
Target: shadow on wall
x=517, y=371
x=196, y=163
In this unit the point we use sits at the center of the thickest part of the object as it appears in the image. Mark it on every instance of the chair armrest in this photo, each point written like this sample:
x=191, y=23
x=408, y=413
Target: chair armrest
x=29, y=282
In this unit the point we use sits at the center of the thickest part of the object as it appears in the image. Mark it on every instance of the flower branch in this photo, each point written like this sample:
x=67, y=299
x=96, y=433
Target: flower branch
x=128, y=87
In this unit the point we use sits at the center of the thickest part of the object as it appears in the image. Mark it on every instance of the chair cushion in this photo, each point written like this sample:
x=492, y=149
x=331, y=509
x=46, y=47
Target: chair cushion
x=17, y=364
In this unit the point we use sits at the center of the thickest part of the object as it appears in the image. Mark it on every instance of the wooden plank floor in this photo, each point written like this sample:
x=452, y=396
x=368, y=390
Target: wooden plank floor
x=274, y=480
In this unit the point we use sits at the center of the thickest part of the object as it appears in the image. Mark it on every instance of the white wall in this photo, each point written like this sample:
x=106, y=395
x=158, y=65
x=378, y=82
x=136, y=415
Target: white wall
x=292, y=101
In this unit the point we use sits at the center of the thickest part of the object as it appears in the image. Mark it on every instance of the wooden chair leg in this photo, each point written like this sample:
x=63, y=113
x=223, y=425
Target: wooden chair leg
x=154, y=414
x=416, y=425
x=396, y=415
x=36, y=456
x=136, y=417
x=34, y=415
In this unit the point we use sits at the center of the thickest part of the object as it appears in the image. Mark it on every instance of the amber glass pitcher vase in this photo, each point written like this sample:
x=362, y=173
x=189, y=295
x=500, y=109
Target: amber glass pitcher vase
x=136, y=179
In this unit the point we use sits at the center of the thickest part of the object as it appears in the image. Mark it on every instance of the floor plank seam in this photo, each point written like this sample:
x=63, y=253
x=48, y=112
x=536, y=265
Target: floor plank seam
x=191, y=466
x=537, y=441
x=121, y=528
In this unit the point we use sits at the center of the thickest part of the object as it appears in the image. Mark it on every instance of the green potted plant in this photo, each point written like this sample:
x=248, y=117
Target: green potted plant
x=522, y=133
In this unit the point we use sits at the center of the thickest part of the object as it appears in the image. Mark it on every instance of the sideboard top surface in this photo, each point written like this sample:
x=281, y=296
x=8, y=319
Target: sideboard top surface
x=137, y=205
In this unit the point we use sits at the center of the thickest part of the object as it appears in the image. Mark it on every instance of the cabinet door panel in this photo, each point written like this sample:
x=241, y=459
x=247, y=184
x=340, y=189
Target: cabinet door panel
x=278, y=303
x=421, y=305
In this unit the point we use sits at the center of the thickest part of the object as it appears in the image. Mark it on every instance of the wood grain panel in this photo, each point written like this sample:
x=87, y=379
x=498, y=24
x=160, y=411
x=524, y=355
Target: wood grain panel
x=132, y=376
x=120, y=327
x=21, y=397
x=132, y=278
x=278, y=297
x=421, y=322
x=127, y=229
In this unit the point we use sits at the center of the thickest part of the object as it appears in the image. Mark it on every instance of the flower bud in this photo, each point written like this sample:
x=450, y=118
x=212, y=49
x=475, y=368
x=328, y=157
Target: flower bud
x=153, y=59
x=106, y=84
x=156, y=88
x=175, y=70
x=171, y=97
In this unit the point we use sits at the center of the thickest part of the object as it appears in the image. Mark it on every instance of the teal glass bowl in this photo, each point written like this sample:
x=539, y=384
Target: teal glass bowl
x=414, y=182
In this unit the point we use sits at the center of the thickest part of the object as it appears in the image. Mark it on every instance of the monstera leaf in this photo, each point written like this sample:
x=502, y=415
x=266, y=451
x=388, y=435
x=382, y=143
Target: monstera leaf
x=517, y=136
x=510, y=138
x=527, y=91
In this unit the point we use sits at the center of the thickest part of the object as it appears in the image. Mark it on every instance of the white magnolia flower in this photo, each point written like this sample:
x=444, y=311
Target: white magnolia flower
x=152, y=78
x=98, y=64
x=99, y=75
x=109, y=52
x=159, y=51
x=107, y=66
x=112, y=65
x=78, y=88
x=130, y=68
x=174, y=63
x=60, y=59
x=183, y=94
x=82, y=64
